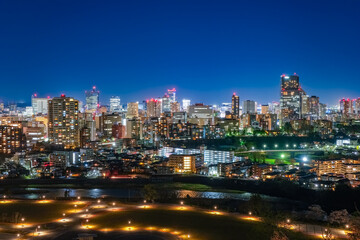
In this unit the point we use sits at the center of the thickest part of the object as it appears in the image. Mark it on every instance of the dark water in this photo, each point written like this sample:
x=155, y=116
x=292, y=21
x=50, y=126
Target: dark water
x=134, y=193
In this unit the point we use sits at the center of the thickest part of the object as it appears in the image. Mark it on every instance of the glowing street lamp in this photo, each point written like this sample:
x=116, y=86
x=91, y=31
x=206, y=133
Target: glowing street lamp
x=305, y=159
x=78, y=197
x=287, y=145
x=215, y=207
x=250, y=213
x=276, y=145
x=113, y=203
x=63, y=214
x=181, y=203
x=282, y=155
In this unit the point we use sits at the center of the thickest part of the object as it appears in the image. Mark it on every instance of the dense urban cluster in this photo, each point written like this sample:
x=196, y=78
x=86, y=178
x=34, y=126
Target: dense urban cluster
x=297, y=138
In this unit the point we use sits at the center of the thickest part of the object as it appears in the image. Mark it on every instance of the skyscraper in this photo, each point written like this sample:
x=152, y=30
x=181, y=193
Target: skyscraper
x=115, y=104
x=290, y=100
x=235, y=105
x=92, y=99
x=346, y=107
x=153, y=108
x=166, y=103
x=64, y=121
x=314, y=106
x=172, y=94
x=132, y=110
x=249, y=107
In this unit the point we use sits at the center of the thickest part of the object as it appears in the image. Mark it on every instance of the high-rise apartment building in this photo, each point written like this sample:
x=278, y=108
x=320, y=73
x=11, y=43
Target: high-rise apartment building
x=290, y=100
x=153, y=108
x=92, y=99
x=346, y=107
x=12, y=139
x=64, y=121
x=132, y=110
x=235, y=105
x=115, y=105
x=357, y=106
x=314, y=106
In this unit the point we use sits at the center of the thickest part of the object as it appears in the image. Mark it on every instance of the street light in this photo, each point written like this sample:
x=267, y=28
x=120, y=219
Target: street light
x=113, y=203
x=181, y=203
x=250, y=213
x=287, y=145
x=78, y=197
x=276, y=145
x=63, y=214
x=282, y=155
x=305, y=159
x=215, y=207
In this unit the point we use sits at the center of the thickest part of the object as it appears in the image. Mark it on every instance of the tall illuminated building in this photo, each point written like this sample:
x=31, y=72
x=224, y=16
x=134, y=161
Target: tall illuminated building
x=12, y=139
x=132, y=110
x=175, y=107
x=64, y=121
x=249, y=107
x=39, y=105
x=346, y=107
x=314, y=106
x=172, y=94
x=235, y=105
x=153, y=108
x=185, y=104
x=357, y=105
x=290, y=99
x=92, y=99
x=115, y=104
x=166, y=103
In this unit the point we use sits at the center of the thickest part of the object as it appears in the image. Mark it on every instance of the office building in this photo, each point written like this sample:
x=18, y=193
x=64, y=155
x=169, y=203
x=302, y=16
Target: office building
x=39, y=105
x=172, y=94
x=115, y=105
x=290, y=100
x=185, y=105
x=249, y=107
x=166, y=104
x=64, y=121
x=92, y=99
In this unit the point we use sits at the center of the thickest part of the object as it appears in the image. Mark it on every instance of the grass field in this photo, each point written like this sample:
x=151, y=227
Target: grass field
x=194, y=187
x=200, y=225
x=37, y=211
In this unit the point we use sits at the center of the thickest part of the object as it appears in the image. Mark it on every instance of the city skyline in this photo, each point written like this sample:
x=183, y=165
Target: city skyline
x=135, y=50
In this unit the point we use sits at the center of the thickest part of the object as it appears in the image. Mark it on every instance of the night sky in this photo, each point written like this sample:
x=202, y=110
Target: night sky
x=206, y=49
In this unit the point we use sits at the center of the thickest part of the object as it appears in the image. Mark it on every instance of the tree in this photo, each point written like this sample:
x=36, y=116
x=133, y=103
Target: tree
x=340, y=217
x=279, y=235
x=354, y=234
x=316, y=213
x=150, y=193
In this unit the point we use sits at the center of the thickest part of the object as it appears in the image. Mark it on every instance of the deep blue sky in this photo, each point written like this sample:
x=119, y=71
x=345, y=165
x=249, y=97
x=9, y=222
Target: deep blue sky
x=206, y=49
